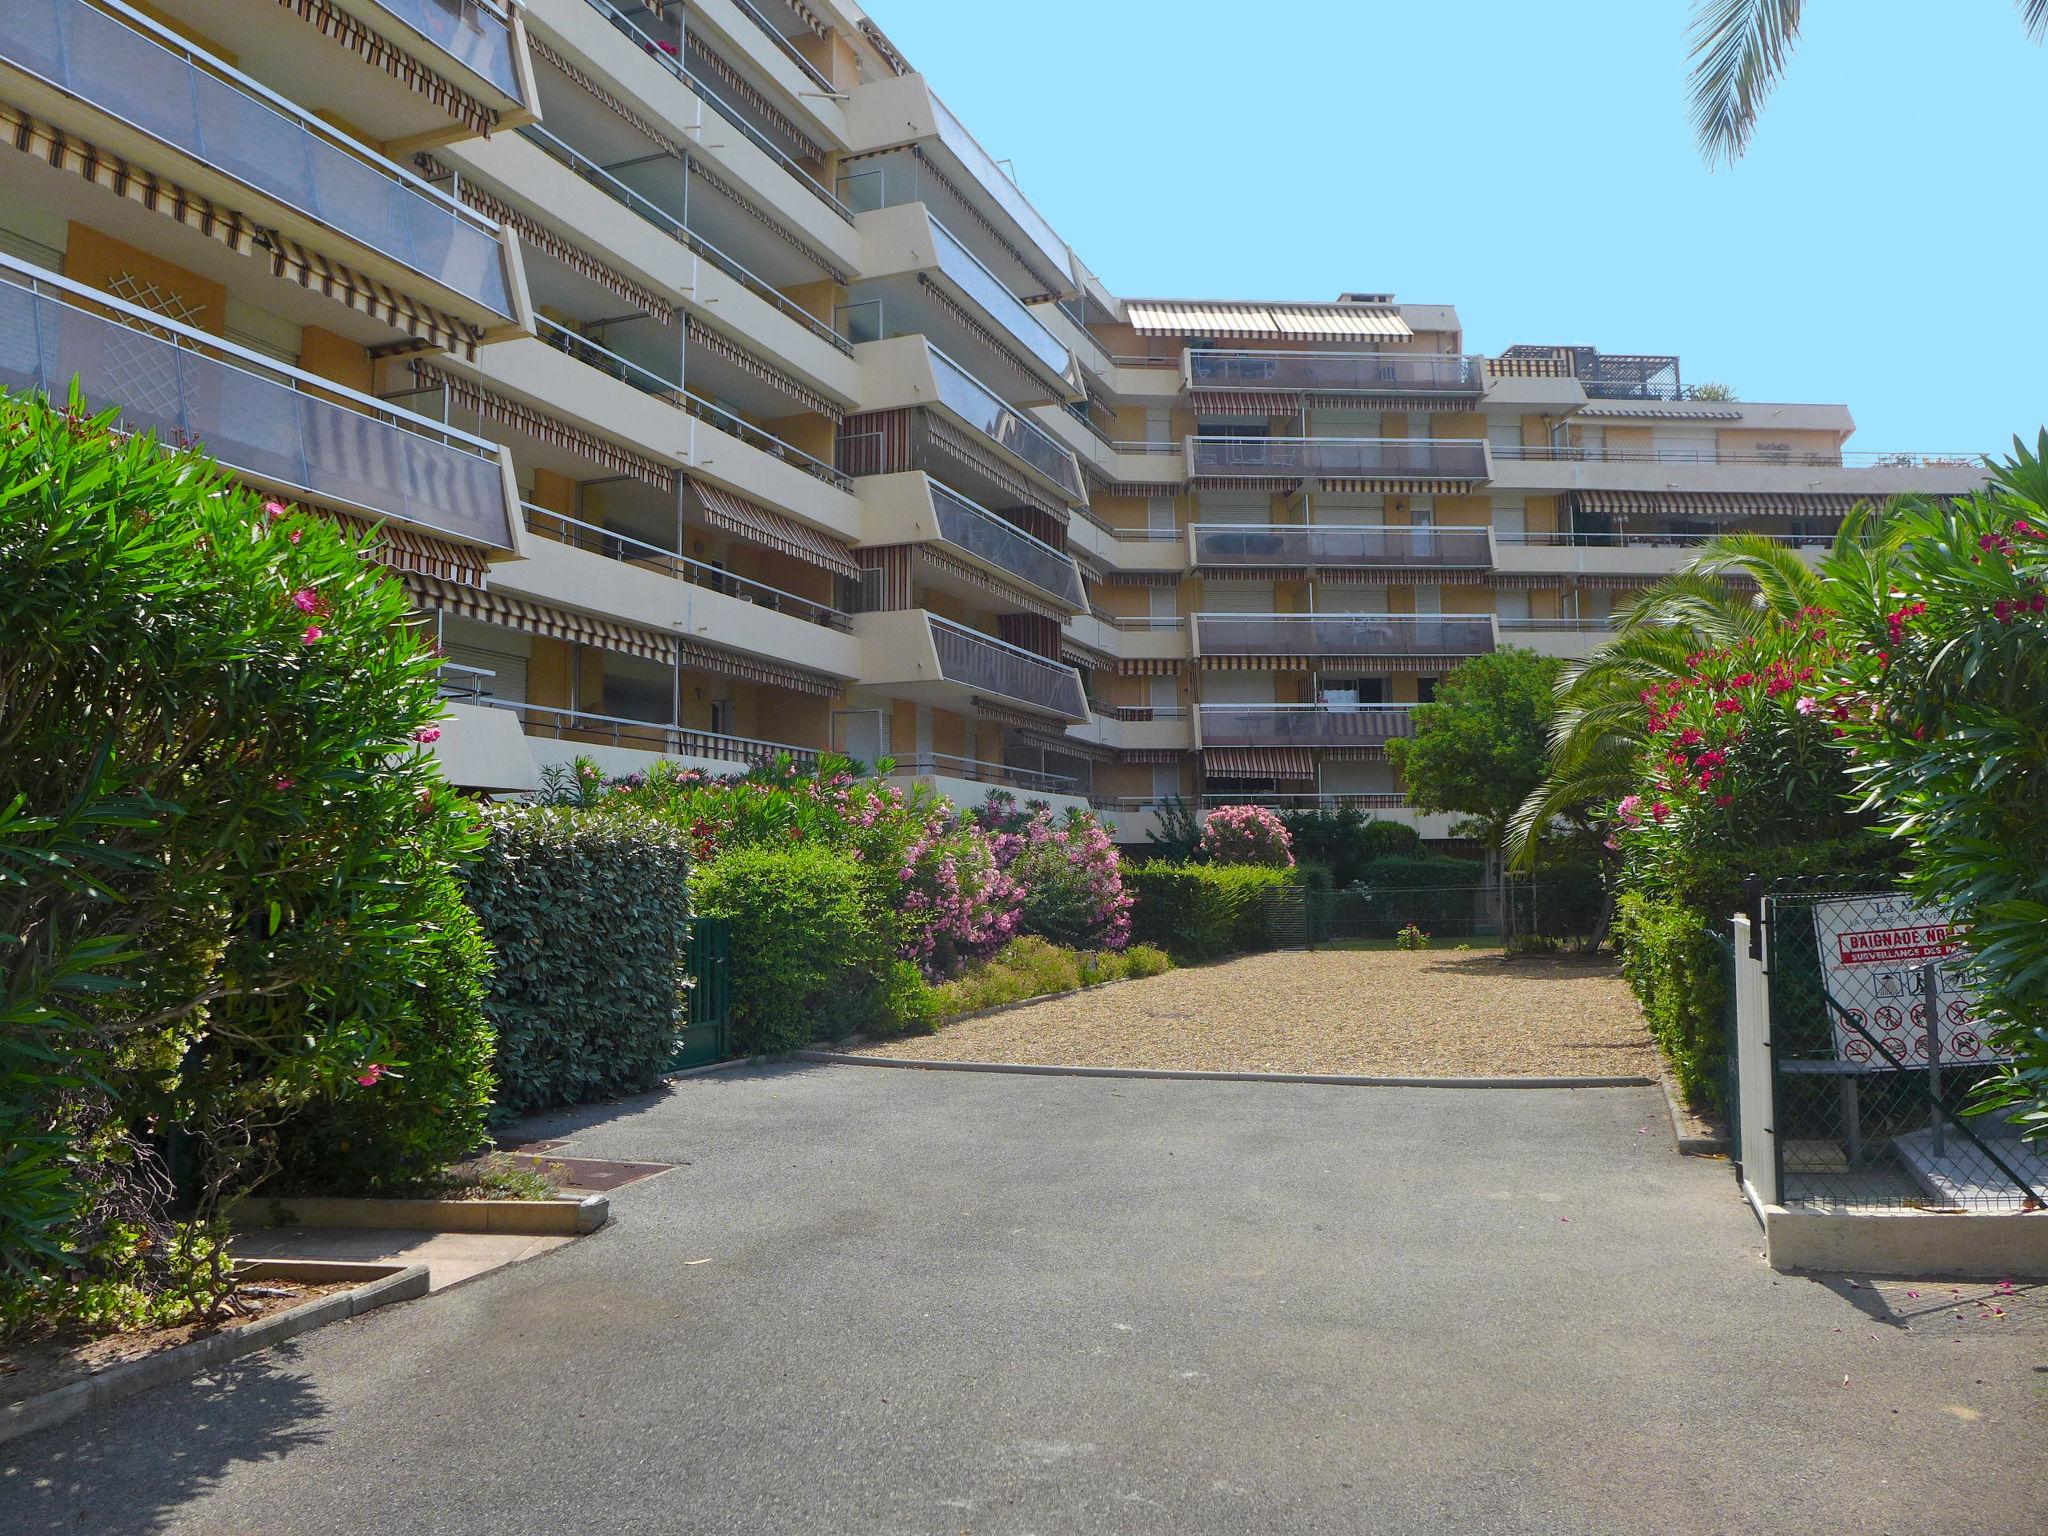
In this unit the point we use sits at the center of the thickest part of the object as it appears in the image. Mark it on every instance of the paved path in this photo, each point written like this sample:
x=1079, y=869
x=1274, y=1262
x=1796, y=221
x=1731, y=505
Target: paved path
x=963, y=1303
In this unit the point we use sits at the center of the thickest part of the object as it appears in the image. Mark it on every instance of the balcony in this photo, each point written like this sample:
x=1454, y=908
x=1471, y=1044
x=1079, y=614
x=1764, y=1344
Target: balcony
x=1311, y=635
x=1253, y=546
x=991, y=541
x=960, y=393
x=919, y=655
x=292, y=431
x=581, y=727
x=476, y=34
x=1291, y=459
x=1429, y=374
x=1305, y=725
x=920, y=279
x=157, y=85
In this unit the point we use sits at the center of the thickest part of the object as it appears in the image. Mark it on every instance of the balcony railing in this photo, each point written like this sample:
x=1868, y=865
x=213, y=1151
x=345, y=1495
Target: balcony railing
x=987, y=290
x=1519, y=626
x=622, y=547
x=662, y=53
x=788, y=48
x=1335, y=458
x=989, y=176
x=283, y=428
x=1333, y=544
x=972, y=401
x=160, y=85
x=1305, y=725
x=981, y=771
x=1009, y=548
x=674, y=227
x=584, y=726
x=1695, y=453
x=1365, y=800
x=1363, y=373
x=624, y=369
x=1006, y=671
x=1343, y=634
x=475, y=33
x=1689, y=538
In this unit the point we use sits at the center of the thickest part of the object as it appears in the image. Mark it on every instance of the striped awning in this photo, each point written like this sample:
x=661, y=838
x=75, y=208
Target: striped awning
x=538, y=424
x=1252, y=570
x=1073, y=746
x=1276, y=486
x=490, y=606
x=67, y=152
x=725, y=189
x=411, y=552
x=1149, y=666
x=1269, y=322
x=1244, y=402
x=1144, y=487
x=882, y=45
x=929, y=174
x=1399, y=486
x=1011, y=594
x=743, y=519
x=1672, y=412
x=1144, y=578
x=1522, y=579
x=1259, y=762
x=981, y=333
x=380, y=53
x=1355, y=754
x=1365, y=576
x=1075, y=654
x=808, y=17
x=350, y=288
x=1137, y=755
x=944, y=435
x=1008, y=714
x=603, y=97
x=1329, y=662
x=802, y=393
x=1715, y=503
x=754, y=669
x=540, y=236
x=801, y=144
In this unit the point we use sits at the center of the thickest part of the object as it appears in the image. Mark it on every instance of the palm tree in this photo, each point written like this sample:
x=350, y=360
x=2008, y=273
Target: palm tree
x=1597, y=736
x=1739, y=49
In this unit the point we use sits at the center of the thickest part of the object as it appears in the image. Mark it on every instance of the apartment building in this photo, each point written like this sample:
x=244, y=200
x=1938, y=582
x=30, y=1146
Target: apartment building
x=718, y=395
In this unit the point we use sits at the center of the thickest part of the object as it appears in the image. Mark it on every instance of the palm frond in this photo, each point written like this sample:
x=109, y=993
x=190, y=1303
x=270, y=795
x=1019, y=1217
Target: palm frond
x=1739, y=49
x=2034, y=17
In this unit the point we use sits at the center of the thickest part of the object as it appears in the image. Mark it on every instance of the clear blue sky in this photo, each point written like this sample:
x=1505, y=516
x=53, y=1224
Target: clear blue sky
x=1882, y=244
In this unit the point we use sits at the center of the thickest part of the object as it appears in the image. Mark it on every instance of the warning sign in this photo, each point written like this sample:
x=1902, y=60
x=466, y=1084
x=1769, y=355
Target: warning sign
x=1871, y=952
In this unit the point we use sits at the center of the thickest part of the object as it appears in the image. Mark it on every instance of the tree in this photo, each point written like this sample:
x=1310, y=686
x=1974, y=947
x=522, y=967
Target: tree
x=1739, y=50
x=1713, y=389
x=1478, y=750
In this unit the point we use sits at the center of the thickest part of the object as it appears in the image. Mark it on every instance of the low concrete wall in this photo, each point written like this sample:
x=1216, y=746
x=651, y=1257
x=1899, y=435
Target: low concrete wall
x=1924, y=1244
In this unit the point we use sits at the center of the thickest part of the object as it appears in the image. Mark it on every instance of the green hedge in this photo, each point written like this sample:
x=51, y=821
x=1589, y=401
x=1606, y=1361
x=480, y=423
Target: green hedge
x=1674, y=965
x=588, y=914
x=1346, y=840
x=809, y=961
x=1428, y=890
x=1203, y=911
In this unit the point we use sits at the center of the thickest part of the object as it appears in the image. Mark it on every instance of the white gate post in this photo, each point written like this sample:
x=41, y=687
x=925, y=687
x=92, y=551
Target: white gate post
x=1753, y=1071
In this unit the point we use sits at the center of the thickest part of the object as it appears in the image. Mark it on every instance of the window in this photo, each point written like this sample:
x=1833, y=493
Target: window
x=1425, y=690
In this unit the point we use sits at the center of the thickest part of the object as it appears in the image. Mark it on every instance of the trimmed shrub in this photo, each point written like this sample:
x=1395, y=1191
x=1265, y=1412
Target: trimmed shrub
x=1674, y=965
x=588, y=915
x=1203, y=911
x=1345, y=840
x=809, y=962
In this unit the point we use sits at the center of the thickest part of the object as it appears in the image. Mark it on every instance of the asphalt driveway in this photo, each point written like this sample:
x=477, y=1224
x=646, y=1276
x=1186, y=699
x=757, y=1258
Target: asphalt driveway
x=879, y=1301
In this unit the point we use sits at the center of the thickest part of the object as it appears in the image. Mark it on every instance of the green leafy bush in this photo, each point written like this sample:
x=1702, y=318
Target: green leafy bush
x=807, y=953
x=213, y=814
x=1675, y=966
x=1411, y=938
x=1345, y=840
x=1203, y=911
x=1033, y=967
x=588, y=914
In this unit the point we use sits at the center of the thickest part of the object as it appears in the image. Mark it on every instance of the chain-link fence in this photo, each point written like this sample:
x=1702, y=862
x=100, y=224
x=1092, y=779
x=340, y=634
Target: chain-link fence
x=1482, y=914
x=1875, y=1057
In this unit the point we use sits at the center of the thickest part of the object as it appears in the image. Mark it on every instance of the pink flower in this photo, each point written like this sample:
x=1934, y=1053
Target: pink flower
x=306, y=600
x=427, y=734
x=371, y=1073
x=313, y=632
x=275, y=510
x=1807, y=706
x=282, y=784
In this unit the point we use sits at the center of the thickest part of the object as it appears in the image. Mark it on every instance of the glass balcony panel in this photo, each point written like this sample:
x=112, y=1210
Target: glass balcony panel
x=467, y=31
x=1306, y=725
x=1008, y=548
x=93, y=56
x=1342, y=634
x=251, y=421
x=996, y=301
x=967, y=398
x=989, y=176
x=1006, y=671
x=1336, y=372
x=1442, y=458
x=1341, y=545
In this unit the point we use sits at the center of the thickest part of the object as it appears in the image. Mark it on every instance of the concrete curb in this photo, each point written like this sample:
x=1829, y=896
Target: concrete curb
x=1329, y=1079
x=1688, y=1144
x=704, y=1071
x=563, y=1216
x=386, y=1283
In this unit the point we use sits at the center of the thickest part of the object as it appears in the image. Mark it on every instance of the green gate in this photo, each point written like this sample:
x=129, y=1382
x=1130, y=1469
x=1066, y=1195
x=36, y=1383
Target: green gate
x=707, y=955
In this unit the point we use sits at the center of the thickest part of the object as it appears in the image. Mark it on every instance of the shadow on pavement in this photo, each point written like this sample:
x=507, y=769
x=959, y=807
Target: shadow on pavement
x=135, y=1467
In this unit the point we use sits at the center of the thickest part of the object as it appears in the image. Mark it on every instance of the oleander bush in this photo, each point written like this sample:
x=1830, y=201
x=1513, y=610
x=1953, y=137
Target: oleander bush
x=588, y=915
x=218, y=838
x=1246, y=834
x=1066, y=869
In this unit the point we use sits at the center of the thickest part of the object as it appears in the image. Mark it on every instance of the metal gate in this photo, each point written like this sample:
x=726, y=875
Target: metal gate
x=707, y=956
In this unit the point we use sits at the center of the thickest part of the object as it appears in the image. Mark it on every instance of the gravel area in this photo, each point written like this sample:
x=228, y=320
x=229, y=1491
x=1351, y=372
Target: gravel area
x=1373, y=1012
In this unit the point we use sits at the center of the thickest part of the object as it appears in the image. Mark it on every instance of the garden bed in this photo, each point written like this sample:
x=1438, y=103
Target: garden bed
x=1437, y=1013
